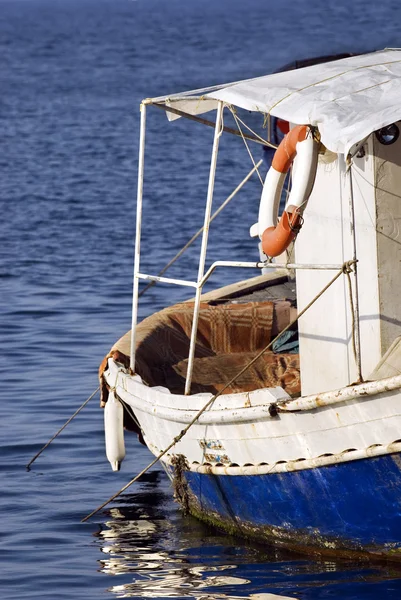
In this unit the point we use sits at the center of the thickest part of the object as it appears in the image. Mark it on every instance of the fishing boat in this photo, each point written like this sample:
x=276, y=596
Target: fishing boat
x=274, y=404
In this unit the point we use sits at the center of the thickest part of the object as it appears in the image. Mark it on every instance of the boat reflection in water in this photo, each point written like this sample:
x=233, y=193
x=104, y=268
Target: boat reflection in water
x=168, y=555
x=153, y=551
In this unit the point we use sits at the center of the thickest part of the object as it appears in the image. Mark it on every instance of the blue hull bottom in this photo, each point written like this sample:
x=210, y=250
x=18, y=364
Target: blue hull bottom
x=347, y=507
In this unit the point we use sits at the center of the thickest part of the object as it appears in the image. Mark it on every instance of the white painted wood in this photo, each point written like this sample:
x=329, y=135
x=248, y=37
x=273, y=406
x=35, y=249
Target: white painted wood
x=387, y=163
x=363, y=177
x=327, y=359
x=296, y=465
x=326, y=353
x=256, y=437
x=324, y=331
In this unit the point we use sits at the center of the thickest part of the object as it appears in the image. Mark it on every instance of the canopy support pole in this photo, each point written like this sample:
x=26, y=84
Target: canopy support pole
x=205, y=235
x=135, y=292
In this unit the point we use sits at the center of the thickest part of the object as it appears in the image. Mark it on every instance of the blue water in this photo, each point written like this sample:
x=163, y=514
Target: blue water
x=72, y=75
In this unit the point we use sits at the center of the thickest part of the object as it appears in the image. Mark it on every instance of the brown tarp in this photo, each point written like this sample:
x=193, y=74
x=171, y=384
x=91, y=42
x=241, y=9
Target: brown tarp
x=229, y=336
x=271, y=369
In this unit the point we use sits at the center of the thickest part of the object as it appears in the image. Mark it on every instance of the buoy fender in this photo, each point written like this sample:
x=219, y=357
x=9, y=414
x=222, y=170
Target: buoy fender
x=114, y=431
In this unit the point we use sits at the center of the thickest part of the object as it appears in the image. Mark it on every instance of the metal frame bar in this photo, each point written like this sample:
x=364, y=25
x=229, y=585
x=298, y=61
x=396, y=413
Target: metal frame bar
x=181, y=113
x=197, y=94
x=202, y=276
x=198, y=233
x=264, y=265
x=205, y=236
x=306, y=266
x=141, y=165
x=235, y=264
x=183, y=282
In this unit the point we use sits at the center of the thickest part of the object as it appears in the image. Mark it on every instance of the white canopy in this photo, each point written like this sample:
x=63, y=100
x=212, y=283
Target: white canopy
x=346, y=99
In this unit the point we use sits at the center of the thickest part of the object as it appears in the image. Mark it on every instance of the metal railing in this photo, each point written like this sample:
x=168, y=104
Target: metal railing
x=202, y=277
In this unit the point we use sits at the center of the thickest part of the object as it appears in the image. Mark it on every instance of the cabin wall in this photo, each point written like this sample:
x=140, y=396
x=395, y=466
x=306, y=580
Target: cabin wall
x=363, y=177
x=388, y=201
x=326, y=351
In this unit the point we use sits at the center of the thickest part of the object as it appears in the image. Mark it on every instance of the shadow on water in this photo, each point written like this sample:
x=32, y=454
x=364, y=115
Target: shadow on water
x=152, y=551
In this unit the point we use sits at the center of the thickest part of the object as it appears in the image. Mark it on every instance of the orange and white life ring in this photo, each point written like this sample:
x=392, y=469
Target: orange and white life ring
x=277, y=236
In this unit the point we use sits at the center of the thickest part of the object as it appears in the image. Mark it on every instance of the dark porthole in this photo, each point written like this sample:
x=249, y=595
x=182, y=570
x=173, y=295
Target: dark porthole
x=388, y=135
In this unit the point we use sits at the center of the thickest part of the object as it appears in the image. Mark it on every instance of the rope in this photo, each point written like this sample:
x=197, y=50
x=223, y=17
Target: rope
x=126, y=406
x=129, y=410
x=63, y=427
x=246, y=145
x=209, y=402
x=198, y=233
x=265, y=142
x=180, y=113
x=269, y=124
x=353, y=326
x=355, y=303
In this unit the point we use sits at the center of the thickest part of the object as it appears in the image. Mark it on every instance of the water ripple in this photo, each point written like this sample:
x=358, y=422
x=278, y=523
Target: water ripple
x=73, y=74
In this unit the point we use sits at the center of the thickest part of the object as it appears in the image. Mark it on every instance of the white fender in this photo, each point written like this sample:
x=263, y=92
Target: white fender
x=114, y=431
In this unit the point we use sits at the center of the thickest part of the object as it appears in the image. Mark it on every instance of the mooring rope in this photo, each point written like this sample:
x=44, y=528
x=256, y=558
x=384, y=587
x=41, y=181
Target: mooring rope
x=63, y=427
x=343, y=270
x=152, y=283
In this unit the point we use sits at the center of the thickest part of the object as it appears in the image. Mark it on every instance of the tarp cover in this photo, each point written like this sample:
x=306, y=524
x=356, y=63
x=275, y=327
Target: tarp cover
x=346, y=99
x=229, y=336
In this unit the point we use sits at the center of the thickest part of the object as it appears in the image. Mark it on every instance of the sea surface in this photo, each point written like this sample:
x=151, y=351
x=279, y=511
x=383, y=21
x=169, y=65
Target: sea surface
x=72, y=75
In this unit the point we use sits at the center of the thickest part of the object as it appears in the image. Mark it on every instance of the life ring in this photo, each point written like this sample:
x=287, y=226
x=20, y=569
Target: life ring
x=276, y=237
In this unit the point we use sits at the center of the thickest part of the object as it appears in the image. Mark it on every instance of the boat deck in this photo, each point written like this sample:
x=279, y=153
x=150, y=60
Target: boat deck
x=282, y=291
